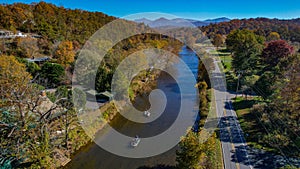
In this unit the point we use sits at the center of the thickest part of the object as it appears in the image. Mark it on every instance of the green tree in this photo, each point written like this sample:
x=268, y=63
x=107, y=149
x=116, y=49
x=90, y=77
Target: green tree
x=103, y=79
x=288, y=167
x=231, y=40
x=52, y=74
x=41, y=152
x=280, y=115
x=62, y=91
x=246, y=48
x=31, y=67
x=264, y=86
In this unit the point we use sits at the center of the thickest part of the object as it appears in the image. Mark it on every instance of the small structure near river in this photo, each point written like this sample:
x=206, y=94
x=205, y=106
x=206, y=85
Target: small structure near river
x=102, y=97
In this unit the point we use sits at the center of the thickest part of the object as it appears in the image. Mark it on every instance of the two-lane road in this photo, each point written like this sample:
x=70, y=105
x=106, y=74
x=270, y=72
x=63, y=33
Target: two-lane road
x=234, y=146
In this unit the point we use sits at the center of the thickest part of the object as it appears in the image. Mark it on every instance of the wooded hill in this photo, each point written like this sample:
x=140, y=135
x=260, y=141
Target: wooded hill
x=52, y=22
x=288, y=29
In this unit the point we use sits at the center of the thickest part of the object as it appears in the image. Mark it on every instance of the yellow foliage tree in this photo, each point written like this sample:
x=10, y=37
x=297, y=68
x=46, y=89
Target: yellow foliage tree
x=25, y=120
x=65, y=53
x=196, y=153
x=13, y=76
x=273, y=36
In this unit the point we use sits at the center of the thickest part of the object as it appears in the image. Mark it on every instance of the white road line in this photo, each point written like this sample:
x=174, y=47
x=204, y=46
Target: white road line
x=243, y=143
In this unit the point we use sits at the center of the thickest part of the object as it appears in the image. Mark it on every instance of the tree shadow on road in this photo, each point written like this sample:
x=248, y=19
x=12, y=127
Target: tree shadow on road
x=262, y=159
x=160, y=166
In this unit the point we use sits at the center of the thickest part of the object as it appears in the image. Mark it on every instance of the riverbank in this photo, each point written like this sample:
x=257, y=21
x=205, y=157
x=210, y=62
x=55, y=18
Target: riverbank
x=79, y=136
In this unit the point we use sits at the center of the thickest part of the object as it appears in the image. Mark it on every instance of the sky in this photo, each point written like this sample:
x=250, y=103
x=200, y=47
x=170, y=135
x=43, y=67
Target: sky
x=189, y=9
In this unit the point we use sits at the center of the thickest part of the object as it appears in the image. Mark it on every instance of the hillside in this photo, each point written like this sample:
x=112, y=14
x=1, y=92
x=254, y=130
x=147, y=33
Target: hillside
x=52, y=22
x=288, y=29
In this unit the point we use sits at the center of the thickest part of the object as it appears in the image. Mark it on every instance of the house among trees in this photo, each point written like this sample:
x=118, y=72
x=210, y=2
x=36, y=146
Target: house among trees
x=5, y=34
x=21, y=35
x=38, y=61
x=33, y=35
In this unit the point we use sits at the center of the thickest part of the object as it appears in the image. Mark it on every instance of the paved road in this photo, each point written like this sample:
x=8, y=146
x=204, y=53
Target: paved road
x=234, y=146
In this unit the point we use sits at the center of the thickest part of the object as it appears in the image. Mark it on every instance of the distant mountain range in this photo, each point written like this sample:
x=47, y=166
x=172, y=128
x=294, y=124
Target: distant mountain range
x=179, y=22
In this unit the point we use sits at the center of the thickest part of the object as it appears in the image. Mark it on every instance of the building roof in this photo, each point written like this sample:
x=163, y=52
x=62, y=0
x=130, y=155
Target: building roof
x=107, y=94
x=42, y=59
x=92, y=92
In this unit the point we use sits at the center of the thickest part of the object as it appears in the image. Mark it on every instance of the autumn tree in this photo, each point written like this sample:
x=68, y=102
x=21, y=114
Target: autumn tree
x=194, y=153
x=18, y=114
x=14, y=79
x=290, y=93
x=188, y=155
x=26, y=123
x=44, y=46
x=280, y=116
x=65, y=53
x=218, y=40
x=273, y=36
x=28, y=47
x=276, y=58
x=204, y=67
x=275, y=52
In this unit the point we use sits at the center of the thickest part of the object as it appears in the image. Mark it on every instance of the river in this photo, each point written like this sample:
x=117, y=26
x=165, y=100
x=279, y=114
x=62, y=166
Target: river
x=92, y=156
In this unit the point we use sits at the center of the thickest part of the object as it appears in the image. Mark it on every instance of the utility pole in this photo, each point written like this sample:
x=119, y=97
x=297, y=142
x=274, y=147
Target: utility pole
x=238, y=82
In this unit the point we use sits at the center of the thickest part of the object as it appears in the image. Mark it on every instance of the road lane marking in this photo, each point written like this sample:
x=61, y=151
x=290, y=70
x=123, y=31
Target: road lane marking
x=243, y=140
x=232, y=145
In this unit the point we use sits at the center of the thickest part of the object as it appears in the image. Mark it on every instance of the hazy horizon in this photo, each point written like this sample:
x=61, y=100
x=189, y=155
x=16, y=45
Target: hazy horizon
x=153, y=19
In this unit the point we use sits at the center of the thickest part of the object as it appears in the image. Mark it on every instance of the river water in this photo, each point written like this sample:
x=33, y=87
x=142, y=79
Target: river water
x=92, y=156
